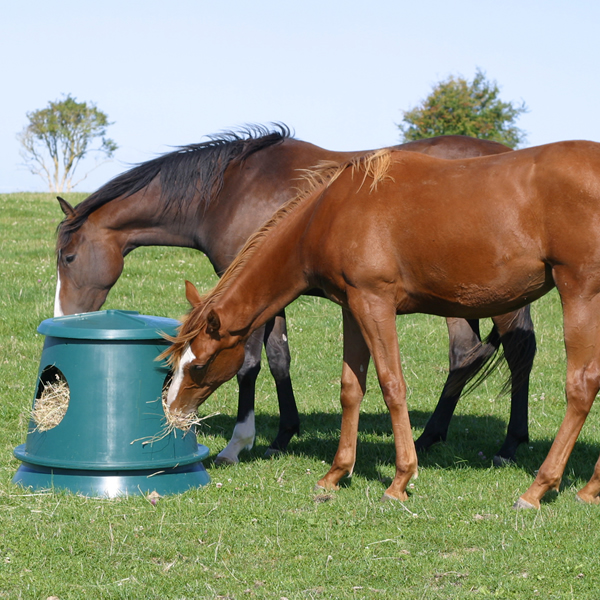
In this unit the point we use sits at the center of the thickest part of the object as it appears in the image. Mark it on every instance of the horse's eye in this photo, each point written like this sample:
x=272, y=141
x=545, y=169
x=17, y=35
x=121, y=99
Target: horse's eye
x=196, y=372
x=69, y=258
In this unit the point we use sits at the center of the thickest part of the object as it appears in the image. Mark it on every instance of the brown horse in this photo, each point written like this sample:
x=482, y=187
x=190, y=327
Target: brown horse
x=211, y=197
x=398, y=233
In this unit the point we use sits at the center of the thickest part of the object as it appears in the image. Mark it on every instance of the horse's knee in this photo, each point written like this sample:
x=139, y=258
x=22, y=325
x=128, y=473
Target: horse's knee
x=280, y=369
x=394, y=393
x=251, y=366
x=252, y=355
x=351, y=394
x=582, y=386
x=581, y=390
x=279, y=358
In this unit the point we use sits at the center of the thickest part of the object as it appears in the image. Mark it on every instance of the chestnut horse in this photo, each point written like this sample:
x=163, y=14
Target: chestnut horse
x=397, y=233
x=211, y=197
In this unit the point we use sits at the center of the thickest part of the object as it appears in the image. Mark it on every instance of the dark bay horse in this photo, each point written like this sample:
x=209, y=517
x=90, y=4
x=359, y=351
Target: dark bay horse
x=211, y=197
x=397, y=233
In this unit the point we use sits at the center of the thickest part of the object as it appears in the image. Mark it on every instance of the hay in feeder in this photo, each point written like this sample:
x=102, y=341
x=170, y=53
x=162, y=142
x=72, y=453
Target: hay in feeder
x=51, y=405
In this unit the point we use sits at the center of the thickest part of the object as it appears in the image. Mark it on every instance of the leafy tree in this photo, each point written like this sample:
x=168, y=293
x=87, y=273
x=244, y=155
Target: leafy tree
x=457, y=107
x=59, y=136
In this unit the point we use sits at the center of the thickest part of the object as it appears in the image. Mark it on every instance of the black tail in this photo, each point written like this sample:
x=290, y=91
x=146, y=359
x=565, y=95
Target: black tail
x=478, y=365
x=518, y=347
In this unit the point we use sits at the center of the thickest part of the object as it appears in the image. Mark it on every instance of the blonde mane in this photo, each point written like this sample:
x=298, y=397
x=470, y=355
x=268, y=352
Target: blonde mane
x=314, y=182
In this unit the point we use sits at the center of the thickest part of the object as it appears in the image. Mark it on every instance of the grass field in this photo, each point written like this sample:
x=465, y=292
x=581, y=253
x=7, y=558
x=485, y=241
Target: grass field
x=260, y=530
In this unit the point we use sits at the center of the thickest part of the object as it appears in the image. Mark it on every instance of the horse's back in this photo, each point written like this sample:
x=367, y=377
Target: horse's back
x=467, y=238
x=454, y=147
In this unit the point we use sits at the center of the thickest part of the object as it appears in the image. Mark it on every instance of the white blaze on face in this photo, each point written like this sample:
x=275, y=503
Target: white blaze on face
x=188, y=357
x=58, y=311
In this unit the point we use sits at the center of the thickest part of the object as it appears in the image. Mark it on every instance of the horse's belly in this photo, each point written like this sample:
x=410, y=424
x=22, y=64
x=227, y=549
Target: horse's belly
x=476, y=293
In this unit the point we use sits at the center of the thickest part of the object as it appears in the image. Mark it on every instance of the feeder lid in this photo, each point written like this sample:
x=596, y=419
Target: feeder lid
x=108, y=325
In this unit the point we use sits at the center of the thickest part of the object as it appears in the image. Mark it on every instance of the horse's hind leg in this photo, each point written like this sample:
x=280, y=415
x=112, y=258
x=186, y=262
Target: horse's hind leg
x=278, y=355
x=244, y=430
x=582, y=341
x=354, y=377
x=590, y=493
x=518, y=340
x=466, y=354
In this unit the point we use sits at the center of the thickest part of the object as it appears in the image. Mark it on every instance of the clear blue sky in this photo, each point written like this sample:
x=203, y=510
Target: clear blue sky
x=338, y=72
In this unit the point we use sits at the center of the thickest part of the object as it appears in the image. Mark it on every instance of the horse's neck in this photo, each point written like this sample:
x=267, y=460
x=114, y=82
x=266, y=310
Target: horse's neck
x=219, y=228
x=141, y=220
x=272, y=278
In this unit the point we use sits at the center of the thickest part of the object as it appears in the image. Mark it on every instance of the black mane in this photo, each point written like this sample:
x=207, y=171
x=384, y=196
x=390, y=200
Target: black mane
x=184, y=173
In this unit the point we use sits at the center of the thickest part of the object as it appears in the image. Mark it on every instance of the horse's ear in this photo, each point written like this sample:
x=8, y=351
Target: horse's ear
x=213, y=322
x=66, y=207
x=192, y=294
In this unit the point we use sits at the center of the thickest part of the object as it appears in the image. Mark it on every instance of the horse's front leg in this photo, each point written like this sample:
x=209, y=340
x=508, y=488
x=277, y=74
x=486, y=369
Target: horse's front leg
x=278, y=355
x=353, y=385
x=582, y=341
x=244, y=430
x=376, y=317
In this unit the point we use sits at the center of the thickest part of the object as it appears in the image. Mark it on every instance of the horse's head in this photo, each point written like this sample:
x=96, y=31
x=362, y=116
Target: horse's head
x=202, y=362
x=89, y=262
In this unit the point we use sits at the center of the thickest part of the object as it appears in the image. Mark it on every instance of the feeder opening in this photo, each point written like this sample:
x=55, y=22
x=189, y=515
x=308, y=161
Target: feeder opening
x=165, y=389
x=51, y=399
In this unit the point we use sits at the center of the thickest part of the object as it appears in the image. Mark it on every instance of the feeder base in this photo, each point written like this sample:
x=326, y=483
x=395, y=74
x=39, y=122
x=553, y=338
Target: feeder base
x=112, y=484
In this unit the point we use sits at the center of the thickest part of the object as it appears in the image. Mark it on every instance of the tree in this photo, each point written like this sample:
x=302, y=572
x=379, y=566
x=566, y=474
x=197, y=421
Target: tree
x=457, y=107
x=59, y=136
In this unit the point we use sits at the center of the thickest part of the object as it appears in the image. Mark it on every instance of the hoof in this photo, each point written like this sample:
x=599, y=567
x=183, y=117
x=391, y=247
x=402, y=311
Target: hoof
x=388, y=498
x=520, y=503
x=273, y=452
x=592, y=500
x=319, y=487
x=424, y=442
x=500, y=461
x=225, y=460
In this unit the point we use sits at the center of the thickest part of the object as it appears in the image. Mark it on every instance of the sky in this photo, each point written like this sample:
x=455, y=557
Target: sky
x=339, y=73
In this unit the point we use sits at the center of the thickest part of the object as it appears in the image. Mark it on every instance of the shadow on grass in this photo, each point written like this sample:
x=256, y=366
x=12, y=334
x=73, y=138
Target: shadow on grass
x=472, y=442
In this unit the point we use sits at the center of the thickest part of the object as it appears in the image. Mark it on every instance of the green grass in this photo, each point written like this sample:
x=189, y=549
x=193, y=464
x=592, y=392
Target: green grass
x=260, y=530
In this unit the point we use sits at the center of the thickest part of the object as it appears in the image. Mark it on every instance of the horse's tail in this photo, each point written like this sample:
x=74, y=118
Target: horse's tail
x=490, y=354
x=479, y=363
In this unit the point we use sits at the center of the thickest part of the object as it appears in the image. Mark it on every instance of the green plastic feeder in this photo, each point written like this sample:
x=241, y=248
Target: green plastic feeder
x=111, y=439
